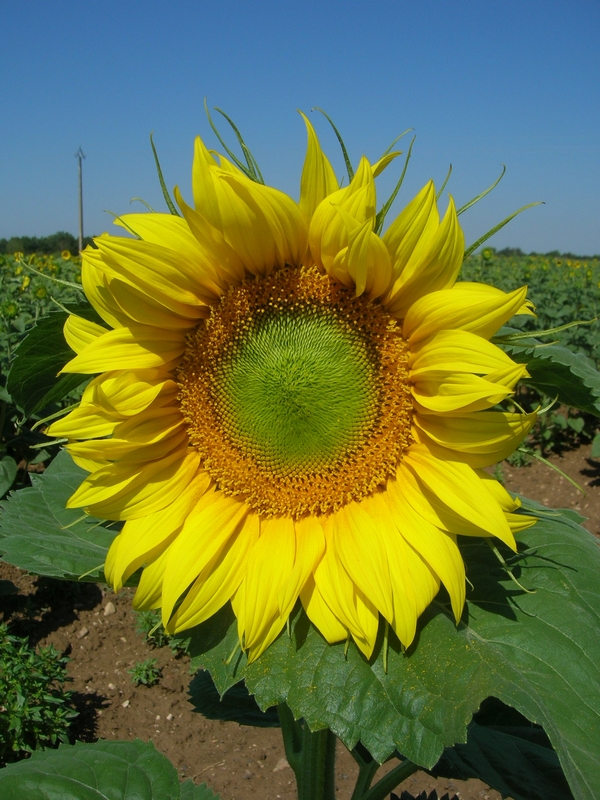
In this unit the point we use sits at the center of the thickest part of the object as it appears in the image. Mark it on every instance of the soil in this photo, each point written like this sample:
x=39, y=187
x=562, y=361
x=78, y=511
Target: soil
x=97, y=629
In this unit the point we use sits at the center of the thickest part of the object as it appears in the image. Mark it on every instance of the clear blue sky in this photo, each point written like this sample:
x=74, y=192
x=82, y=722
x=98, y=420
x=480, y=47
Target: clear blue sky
x=482, y=82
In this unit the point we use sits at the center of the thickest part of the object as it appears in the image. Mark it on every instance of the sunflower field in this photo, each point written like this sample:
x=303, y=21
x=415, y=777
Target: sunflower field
x=275, y=419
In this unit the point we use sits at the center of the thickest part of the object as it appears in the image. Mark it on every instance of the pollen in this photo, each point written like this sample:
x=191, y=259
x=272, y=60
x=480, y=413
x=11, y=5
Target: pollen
x=296, y=393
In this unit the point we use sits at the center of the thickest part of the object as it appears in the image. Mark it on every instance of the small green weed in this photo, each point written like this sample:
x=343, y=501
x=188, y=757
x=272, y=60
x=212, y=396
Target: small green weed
x=149, y=625
x=145, y=672
x=36, y=711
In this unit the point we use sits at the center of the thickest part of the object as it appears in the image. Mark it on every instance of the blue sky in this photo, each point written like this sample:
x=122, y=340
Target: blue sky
x=483, y=83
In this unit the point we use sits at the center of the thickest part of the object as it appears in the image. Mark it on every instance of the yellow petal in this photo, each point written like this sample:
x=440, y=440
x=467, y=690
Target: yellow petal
x=219, y=580
x=318, y=178
x=131, y=490
x=166, y=230
x=85, y=422
x=206, y=531
x=80, y=332
x=204, y=187
x=269, y=567
x=434, y=264
x=161, y=273
x=264, y=226
x=328, y=232
x=384, y=162
x=128, y=393
x=449, y=393
x=472, y=307
x=481, y=438
x=364, y=553
x=310, y=546
x=226, y=262
x=149, y=591
x=436, y=547
x=364, y=263
x=320, y=614
x=95, y=285
x=454, y=352
x=144, y=440
x=412, y=229
x=459, y=487
x=135, y=347
x=142, y=540
x=348, y=603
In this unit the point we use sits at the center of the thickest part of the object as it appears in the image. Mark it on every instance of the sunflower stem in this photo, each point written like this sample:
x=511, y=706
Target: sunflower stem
x=311, y=755
x=394, y=778
x=367, y=767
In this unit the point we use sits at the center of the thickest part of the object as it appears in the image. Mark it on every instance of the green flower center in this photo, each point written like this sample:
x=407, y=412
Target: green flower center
x=298, y=390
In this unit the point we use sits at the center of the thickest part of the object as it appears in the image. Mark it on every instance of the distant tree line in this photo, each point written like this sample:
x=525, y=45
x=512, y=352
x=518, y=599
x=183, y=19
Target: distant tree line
x=57, y=242
x=516, y=252
x=45, y=245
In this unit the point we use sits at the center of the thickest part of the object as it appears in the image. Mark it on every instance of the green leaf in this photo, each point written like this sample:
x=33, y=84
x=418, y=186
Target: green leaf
x=236, y=704
x=33, y=532
x=189, y=791
x=8, y=472
x=33, y=380
x=161, y=180
x=556, y=370
x=539, y=653
x=338, y=135
x=596, y=446
x=100, y=771
x=509, y=754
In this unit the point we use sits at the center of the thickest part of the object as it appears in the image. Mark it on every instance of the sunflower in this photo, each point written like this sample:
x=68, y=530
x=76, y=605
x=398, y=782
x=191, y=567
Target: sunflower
x=288, y=405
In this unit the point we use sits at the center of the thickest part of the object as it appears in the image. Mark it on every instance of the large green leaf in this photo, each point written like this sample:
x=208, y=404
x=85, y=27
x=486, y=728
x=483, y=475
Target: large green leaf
x=236, y=704
x=539, y=653
x=508, y=753
x=8, y=472
x=557, y=371
x=33, y=527
x=100, y=771
x=33, y=380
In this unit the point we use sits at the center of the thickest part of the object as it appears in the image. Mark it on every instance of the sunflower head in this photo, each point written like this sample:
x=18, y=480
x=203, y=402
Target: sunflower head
x=288, y=406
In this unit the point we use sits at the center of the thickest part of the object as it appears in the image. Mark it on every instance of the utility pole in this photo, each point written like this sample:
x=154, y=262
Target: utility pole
x=79, y=155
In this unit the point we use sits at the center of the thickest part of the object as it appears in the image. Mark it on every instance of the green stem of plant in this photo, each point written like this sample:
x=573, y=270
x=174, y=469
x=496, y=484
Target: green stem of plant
x=395, y=777
x=367, y=767
x=310, y=755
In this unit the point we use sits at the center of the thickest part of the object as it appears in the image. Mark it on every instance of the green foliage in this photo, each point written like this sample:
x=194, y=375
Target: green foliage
x=33, y=382
x=145, y=672
x=8, y=472
x=28, y=289
x=500, y=736
x=40, y=535
x=148, y=624
x=236, y=704
x=563, y=288
x=26, y=295
x=99, y=771
x=538, y=652
x=36, y=711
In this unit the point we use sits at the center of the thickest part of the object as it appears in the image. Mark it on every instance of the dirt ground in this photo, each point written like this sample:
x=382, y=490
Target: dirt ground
x=97, y=630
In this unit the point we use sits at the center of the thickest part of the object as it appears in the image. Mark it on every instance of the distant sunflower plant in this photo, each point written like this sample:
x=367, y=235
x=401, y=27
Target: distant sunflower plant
x=291, y=410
